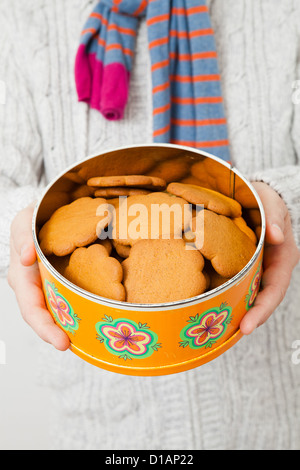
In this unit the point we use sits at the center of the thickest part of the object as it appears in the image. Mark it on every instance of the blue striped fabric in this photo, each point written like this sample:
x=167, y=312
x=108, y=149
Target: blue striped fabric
x=187, y=98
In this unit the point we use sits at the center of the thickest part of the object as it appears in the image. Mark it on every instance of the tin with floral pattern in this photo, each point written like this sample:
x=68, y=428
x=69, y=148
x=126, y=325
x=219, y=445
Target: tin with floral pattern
x=150, y=339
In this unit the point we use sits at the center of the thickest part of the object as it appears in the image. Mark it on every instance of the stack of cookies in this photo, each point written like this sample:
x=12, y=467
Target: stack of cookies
x=145, y=239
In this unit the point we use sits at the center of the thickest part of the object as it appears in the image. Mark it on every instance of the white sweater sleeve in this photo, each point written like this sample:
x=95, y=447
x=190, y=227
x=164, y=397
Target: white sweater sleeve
x=285, y=181
x=21, y=164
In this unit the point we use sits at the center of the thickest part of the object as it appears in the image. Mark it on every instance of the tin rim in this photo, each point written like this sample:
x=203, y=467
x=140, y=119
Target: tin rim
x=157, y=306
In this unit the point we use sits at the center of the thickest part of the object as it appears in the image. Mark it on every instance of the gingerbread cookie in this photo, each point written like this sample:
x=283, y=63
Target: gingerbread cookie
x=215, y=280
x=156, y=215
x=200, y=172
x=122, y=250
x=106, y=243
x=73, y=225
x=254, y=219
x=60, y=263
x=111, y=193
x=113, y=163
x=171, y=170
x=210, y=199
x=196, y=182
x=82, y=191
x=94, y=270
x=159, y=271
x=135, y=181
x=221, y=241
x=55, y=199
x=242, y=224
x=244, y=195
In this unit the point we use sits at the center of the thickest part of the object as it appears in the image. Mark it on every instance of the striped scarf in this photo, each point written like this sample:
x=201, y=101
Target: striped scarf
x=187, y=100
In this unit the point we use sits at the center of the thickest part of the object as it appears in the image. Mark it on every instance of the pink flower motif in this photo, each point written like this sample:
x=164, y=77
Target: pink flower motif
x=210, y=327
x=254, y=288
x=60, y=307
x=125, y=337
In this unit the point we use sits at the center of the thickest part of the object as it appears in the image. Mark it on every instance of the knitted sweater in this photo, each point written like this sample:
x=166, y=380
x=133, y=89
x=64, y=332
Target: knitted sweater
x=250, y=396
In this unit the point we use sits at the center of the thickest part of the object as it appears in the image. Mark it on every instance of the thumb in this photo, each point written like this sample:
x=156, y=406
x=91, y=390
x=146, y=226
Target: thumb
x=21, y=236
x=275, y=212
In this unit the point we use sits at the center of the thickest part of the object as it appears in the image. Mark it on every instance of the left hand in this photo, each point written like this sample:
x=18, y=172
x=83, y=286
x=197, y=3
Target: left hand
x=281, y=256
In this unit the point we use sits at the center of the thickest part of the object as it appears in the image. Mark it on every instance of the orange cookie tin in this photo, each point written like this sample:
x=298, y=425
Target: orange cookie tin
x=152, y=339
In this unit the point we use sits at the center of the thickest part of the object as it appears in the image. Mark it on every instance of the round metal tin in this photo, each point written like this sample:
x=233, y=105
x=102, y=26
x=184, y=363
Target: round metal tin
x=149, y=339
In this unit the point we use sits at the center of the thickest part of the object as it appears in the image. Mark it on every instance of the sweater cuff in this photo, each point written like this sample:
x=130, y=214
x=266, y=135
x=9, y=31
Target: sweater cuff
x=286, y=182
x=12, y=201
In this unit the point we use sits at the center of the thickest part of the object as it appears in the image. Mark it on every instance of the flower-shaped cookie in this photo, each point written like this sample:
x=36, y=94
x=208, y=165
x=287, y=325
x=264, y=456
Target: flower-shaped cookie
x=94, y=270
x=162, y=271
x=210, y=199
x=221, y=241
x=73, y=225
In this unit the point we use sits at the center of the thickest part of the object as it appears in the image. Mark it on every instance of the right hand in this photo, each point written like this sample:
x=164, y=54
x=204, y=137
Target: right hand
x=24, y=278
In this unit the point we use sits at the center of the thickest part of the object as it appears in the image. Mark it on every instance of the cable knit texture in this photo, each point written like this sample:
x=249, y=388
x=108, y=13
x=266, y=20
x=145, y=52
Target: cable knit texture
x=249, y=398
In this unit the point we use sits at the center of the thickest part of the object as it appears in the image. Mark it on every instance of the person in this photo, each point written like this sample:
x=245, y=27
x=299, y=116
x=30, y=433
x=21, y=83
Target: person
x=248, y=397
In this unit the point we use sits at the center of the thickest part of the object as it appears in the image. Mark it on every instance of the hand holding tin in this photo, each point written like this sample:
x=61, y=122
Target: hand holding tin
x=281, y=255
x=24, y=278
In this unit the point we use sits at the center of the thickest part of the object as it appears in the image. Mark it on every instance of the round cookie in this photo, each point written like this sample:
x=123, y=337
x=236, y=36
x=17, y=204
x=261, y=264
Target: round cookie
x=73, y=225
x=111, y=193
x=94, y=270
x=140, y=181
x=210, y=199
x=159, y=271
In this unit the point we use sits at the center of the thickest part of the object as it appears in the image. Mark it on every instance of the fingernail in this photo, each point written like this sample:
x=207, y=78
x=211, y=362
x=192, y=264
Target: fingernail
x=278, y=229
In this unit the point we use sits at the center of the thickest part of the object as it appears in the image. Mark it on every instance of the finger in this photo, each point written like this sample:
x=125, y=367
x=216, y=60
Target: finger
x=265, y=304
x=275, y=282
x=28, y=254
x=32, y=305
x=275, y=212
x=40, y=320
x=21, y=236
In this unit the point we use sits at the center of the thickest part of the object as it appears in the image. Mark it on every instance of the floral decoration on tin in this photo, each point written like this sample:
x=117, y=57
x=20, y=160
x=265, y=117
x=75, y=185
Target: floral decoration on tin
x=61, y=309
x=254, y=288
x=127, y=339
x=206, y=329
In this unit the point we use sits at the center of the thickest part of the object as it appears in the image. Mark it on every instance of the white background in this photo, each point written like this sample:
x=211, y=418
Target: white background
x=24, y=404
